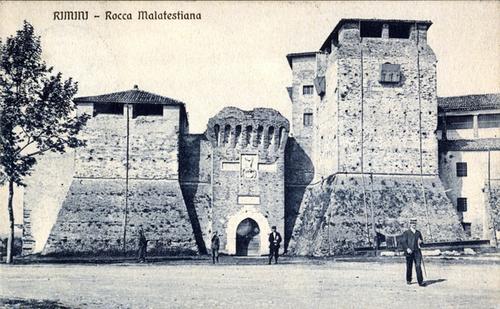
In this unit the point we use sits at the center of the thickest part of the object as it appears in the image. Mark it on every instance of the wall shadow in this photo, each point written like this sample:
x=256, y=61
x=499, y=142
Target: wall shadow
x=189, y=176
x=299, y=173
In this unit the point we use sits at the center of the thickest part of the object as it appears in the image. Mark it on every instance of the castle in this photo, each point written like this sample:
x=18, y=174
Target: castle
x=363, y=154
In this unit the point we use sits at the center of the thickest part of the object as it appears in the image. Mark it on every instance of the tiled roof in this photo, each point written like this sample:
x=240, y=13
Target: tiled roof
x=481, y=144
x=289, y=57
x=473, y=102
x=134, y=96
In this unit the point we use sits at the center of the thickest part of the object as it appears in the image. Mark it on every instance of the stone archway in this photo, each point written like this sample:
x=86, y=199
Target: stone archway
x=247, y=212
x=248, y=238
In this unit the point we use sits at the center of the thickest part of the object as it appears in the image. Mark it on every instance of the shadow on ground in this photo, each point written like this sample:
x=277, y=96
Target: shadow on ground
x=429, y=282
x=31, y=303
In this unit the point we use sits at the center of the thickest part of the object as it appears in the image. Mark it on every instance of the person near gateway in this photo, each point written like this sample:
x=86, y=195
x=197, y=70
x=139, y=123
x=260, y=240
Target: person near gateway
x=143, y=244
x=215, y=248
x=274, y=245
x=411, y=241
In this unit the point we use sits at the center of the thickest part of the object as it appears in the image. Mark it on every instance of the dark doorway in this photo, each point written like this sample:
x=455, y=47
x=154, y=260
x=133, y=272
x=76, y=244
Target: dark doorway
x=247, y=238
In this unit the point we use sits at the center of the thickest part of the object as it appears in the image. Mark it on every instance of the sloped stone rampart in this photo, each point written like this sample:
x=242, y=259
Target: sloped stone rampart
x=90, y=220
x=335, y=216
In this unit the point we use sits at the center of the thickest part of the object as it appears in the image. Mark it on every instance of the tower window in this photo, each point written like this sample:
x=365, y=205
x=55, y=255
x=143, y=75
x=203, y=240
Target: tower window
x=308, y=119
x=147, y=110
x=399, y=31
x=307, y=89
x=461, y=169
x=467, y=229
x=108, y=108
x=390, y=73
x=462, y=204
x=371, y=29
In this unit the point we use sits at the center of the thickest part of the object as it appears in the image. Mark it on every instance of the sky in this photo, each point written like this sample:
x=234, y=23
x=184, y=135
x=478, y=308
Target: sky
x=236, y=54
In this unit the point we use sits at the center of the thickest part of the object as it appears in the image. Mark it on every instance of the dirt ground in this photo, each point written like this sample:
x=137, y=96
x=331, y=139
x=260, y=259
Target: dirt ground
x=313, y=284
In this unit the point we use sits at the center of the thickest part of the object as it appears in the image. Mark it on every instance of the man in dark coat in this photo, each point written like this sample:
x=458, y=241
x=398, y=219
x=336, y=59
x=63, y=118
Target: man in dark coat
x=215, y=248
x=411, y=241
x=274, y=245
x=143, y=243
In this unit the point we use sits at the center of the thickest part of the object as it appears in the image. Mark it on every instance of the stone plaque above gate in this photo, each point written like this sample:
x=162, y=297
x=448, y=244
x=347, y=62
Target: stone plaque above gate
x=249, y=165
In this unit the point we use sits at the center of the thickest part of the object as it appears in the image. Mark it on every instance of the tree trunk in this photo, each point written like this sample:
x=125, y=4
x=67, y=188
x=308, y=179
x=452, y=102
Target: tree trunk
x=10, y=241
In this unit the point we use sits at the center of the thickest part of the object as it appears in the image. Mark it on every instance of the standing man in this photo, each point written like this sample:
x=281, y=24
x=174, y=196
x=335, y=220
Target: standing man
x=274, y=245
x=411, y=241
x=143, y=244
x=215, y=247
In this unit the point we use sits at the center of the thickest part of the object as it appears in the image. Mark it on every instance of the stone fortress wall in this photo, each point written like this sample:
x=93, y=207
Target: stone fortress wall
x=376, y=152
x=248, y=165
x=108, y=202
x=361, y=159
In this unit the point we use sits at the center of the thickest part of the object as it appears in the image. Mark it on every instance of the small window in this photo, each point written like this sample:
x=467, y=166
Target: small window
x=461, y=169
x=108, y=108
x=462, y=204
x=390, y=73
x=308, y=119
x=371, y=29
x=459, y=122
x=489, y=121
x=399, y=31
x=147, y=110
x=467, y=229
x=308, y=89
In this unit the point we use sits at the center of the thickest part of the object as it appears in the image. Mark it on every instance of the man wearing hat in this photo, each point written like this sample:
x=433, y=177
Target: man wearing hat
x=411, y=241
x=274, y=245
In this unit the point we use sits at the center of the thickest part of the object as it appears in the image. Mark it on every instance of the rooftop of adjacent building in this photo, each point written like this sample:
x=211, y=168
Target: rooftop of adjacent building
x=465, y=103
x=133, y=96
x=483, y=144
x=292, y=56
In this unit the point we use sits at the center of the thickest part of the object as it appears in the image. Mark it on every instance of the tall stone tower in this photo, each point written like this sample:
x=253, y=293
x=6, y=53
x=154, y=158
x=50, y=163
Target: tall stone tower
x=248, y=169
x=380, y=101
x=374, y=148
x=125, y=179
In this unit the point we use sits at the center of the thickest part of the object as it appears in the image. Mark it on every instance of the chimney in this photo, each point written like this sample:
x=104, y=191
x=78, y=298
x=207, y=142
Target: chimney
x=385, y=31
x=136, y=87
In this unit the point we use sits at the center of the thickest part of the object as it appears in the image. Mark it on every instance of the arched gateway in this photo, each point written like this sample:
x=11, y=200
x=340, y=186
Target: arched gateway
x=247, y=232
x=248, y=238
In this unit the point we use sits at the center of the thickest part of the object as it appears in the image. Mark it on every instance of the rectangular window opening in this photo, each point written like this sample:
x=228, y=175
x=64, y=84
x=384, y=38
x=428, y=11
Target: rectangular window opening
x=308, y=89
x=308, y=119
x=399, y=31
x=108, y=108
x=147, y=110
x=371, y=29
x=459, y=122
x=390, y=73
x=489, y=121
x=461, y=169
x=462, y=204
x=467, y=229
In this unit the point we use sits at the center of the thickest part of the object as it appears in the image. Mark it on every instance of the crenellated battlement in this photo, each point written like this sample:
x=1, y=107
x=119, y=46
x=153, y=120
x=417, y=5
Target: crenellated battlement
x=261, y=130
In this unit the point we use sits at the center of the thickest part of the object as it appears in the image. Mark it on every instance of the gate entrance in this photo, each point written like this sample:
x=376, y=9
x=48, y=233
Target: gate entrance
x=248, y=238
